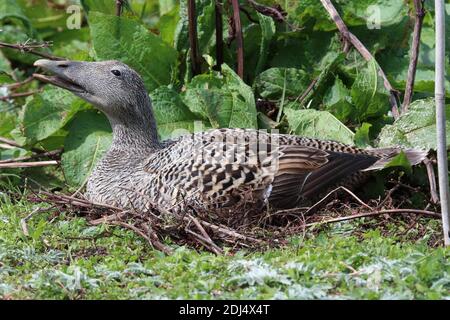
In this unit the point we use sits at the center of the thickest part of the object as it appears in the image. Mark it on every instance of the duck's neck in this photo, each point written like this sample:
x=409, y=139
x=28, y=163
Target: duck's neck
x=136, y=131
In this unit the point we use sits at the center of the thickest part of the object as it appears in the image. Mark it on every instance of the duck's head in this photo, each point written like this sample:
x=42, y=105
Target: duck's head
x=111, y=86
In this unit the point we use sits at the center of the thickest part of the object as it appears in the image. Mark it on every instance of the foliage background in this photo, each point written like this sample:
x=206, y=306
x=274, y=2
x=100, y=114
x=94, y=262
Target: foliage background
x=349, y=104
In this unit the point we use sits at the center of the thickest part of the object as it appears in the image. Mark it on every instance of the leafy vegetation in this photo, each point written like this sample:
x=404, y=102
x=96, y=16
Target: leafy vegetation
x=64, y=258
x=296, y=79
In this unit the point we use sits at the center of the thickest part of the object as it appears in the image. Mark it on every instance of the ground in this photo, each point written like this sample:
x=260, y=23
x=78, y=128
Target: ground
x=65, y=258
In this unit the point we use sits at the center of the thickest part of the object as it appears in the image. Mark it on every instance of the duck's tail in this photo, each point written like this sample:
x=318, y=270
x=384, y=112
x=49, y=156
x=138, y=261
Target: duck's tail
x=387, y=154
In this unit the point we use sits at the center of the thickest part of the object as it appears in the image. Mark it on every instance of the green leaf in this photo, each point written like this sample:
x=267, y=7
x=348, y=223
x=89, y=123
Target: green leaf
x=368, y=93
x=12, y=9
x=103, y=6
x=5, y=65
x=173, y=117
x=354, y=13
x=226, y=101
x=400, y=160
x=318, y=124
x=7, y=123
x=338, y=101
x=16, y=34
x=88, y=139
x=415, y=128
x=42, y=15
x=130, y=42
x=271, y=83
x=168, y=24
x=46, y=113
x=267, y=32
x=362, y=138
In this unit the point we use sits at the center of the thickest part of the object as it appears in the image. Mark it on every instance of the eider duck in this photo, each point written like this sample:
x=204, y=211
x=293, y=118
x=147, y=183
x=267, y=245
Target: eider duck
x=218, y=168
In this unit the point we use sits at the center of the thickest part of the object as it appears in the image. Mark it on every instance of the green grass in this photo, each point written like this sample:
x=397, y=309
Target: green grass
x=64, y=258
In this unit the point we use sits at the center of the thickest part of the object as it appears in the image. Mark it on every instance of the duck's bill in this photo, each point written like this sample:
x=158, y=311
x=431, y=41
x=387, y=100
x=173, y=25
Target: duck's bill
x=60, y=82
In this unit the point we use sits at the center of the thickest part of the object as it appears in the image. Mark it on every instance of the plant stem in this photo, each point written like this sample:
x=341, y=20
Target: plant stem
x=219, y=35
x=239, y=38
x=193, y=41
x=439, y=92
x=420, y=14
x=350, y=37
x=19, y=95
x=119, y=4
x=24, y=47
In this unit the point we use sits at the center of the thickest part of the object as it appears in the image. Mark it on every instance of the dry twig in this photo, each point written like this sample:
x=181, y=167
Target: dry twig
x=30, y=48
x=420, y=14
x=239, y=38
x=351, y=38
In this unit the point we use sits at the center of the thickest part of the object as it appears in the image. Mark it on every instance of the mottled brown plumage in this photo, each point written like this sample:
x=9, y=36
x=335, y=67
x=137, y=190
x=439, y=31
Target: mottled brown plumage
x=219, y=168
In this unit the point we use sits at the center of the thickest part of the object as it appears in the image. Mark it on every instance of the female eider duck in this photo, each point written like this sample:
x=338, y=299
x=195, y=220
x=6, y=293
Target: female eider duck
x=215, y=169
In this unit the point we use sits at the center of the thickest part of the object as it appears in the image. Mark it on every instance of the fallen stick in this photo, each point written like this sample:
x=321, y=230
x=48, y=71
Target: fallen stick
x=333, y=191
x=432, y=181
x=28, y=164
x=34, y=156
x=154, y=243
x=377, y=213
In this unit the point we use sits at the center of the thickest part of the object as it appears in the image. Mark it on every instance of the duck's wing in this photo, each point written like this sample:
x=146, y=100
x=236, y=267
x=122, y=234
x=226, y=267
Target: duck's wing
x=223, y=163
x=290, y=186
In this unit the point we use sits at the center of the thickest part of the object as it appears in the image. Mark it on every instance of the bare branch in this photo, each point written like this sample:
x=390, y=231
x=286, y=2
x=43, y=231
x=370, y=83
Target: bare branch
x=119, y=4
x=50, y=154
x=377, y=213
x=350, y=37
x=420, y=14
x=30, y=48
x=193, y=40
x=28, y=164
x=239, y=38
x=19, y=95
x=276, y=12
x=219, y=35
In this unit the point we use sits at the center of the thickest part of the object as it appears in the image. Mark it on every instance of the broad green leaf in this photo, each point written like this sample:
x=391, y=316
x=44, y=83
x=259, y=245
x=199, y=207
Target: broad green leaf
x=368, y=93
x=172, y=115
x=267, y=32
x=72, y=44
x=166, y=6
x=371, y=14
x=226, y=101
x=415, y=128
x=127, y=40
x=5, y=65
x=400, y=160
x=338, y=101
x=45, y=113
x=12, y=9
x=205, y=25
x=8, y=122
x=362, y=138
x=168, y=24
x=271, y=83
x=88, y=139
x=103, y=6
x=318, y=124
x=42, y=15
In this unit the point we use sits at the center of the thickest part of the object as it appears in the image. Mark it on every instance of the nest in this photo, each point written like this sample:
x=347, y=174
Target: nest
x=244, y=227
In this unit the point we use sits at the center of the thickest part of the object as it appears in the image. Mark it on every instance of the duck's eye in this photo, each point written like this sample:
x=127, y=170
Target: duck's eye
x=116, y=72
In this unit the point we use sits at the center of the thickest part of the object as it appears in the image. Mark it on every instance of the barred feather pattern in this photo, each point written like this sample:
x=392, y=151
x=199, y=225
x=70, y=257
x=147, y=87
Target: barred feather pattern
x=217, y=168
